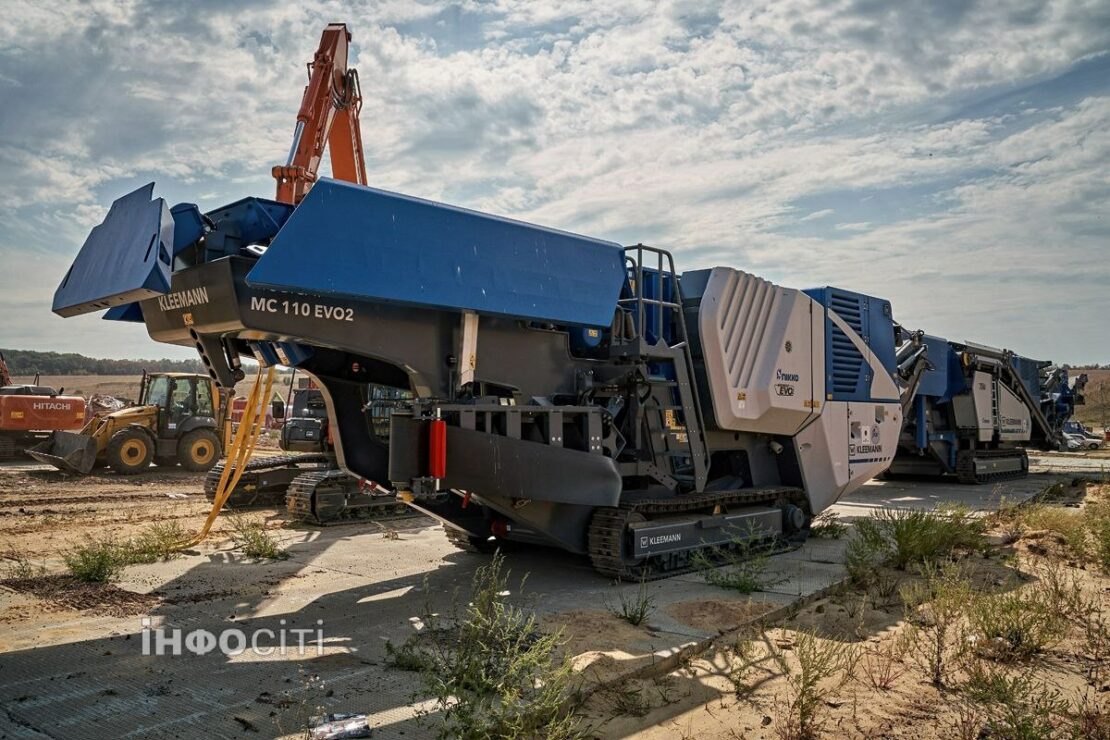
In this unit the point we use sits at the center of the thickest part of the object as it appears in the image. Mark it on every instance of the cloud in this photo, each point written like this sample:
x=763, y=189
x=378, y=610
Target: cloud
x=823, y=213
x=879, y=146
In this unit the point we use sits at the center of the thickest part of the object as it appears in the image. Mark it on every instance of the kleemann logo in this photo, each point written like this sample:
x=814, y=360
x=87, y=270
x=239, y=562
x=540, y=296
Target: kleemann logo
x=183, y=299
x=662, y=539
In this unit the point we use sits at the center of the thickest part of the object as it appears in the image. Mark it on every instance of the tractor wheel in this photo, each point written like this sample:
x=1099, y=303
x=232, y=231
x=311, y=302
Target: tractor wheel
x=199, y=450
x=130, y=451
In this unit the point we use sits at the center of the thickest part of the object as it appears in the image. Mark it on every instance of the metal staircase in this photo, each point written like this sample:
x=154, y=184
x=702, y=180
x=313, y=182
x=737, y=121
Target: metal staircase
x=660, y=340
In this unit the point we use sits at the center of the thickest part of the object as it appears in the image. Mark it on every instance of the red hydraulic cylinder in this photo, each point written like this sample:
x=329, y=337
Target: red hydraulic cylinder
x=437, y=448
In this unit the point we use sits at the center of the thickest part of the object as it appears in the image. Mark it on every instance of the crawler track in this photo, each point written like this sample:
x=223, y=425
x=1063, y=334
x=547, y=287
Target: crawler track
x=965, y=466
x=608, y=535
x=326, y=497
x=265, y=480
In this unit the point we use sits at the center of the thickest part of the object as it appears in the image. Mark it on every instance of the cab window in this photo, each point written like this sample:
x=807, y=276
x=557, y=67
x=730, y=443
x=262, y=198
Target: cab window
x=184, y=400
x=158, y=392
x=204, y=399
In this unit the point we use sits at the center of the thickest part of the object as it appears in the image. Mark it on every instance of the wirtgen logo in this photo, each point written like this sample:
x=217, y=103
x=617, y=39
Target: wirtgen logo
x=233, y=641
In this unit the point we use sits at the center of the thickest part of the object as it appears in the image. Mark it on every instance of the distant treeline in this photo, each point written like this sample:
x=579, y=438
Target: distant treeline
x=26, y=362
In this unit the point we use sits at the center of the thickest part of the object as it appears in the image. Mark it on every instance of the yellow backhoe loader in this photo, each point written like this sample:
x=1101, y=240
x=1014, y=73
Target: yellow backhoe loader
x=180, y=419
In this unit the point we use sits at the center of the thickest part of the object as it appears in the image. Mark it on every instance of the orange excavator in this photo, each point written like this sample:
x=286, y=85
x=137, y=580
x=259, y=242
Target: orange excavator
x=29, y=413
x=328, y=118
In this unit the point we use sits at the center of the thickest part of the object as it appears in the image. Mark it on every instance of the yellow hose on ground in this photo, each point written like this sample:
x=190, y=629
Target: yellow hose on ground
x=242, y=445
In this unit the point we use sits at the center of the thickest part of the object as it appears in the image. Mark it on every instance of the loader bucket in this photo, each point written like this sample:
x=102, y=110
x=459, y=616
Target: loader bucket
x=68, y=452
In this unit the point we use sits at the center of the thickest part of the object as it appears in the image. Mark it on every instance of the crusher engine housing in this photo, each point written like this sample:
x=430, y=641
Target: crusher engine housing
x=564, y=390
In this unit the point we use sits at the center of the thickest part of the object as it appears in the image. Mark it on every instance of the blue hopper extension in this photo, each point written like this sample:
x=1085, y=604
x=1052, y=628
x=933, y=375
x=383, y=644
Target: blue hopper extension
x=125, y=259
x=351, y=241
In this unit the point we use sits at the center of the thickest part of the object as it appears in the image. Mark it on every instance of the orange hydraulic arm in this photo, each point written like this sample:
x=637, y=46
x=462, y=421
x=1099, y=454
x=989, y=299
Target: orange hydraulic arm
x=328, y=118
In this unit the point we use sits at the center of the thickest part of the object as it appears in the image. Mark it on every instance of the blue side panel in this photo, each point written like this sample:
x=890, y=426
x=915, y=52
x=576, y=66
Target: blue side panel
x=188, y=225
x=293, y=354
x=125, y=259
x=289, y=354
x=254, y=219
x=264, y=353
x=921, y=425
x=934, y=381
x=357, y=242
x=848, y=376
x=244, y=222
x=657, y=318
x=1030, y=373
x=881, y=336
x=957, y=378
x=946, y=378
x=126, y=312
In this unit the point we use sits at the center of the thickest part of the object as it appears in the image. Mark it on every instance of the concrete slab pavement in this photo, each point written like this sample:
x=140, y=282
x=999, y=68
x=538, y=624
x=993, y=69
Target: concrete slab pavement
x=1080, y=463
x=928, y=494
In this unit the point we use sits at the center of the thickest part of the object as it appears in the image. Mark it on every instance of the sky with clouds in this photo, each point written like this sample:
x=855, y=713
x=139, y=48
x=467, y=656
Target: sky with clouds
x=951, y=156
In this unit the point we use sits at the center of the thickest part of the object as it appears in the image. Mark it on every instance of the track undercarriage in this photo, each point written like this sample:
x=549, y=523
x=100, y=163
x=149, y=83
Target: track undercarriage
x=310, y=486
x=645, y=539
x=759, y=519
x=991, y=466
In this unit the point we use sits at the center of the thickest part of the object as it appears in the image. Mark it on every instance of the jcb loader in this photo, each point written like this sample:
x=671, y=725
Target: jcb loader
x=180, y=419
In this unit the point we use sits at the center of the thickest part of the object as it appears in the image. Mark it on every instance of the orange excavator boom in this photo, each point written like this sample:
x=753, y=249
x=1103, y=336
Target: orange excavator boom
x=328, y=118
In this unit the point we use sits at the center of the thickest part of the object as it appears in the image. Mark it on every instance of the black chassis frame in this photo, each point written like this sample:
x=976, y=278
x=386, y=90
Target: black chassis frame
x=542, y=438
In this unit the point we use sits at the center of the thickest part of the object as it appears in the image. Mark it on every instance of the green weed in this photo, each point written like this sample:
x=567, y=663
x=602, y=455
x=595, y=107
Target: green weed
x=1015, y=625
x=915, y=536
x=255, y=542
x=823, y=667
x=1098, y=524
x=409, y=657
x=828, y=525
x=1016, y=705
x=741, y=566
x=1067, y=524
x=493, y=673
x=95, y=561
x=636, y=608
x=935, y=609
x=19, y=568
x=160, y=541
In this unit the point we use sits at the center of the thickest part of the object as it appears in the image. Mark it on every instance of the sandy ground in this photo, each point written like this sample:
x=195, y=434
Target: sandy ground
x=43, y=512
x=740, y=689
x=70, y=657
